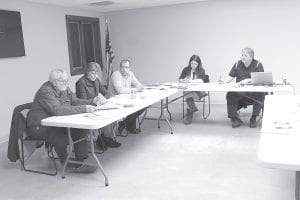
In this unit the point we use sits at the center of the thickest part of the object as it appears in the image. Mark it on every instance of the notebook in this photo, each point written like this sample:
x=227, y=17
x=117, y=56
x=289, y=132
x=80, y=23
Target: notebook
x=261, y=78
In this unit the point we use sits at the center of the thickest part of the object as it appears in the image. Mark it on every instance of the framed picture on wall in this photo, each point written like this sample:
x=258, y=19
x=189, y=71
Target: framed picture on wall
x=11, y=34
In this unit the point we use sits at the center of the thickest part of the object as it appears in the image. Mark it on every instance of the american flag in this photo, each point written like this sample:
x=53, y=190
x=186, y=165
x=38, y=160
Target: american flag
x=109, y=55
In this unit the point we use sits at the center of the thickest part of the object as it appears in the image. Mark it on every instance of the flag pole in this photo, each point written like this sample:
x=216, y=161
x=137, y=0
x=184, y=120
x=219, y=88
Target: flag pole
x=107, y=56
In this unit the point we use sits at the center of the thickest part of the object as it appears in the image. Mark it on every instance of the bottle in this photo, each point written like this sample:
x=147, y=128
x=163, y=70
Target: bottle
x=133, y=93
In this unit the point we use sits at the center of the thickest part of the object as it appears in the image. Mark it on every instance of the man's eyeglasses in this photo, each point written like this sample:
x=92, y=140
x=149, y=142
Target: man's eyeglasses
x=64, y=81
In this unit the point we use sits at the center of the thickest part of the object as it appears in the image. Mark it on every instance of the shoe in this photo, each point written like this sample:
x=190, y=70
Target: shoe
x=253, y=122
x=236, y=122
x=188, y=117
x=111, y=142
x=85, y=169
x=121, y=127
x=100, y=143
x=72, y=165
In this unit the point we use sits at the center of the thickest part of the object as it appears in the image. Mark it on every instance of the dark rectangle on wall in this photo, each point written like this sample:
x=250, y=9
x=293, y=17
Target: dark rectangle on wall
x=11, y=34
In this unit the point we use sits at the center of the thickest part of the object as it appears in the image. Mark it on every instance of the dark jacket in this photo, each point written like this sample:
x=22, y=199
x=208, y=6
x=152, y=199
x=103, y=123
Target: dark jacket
x=49, y=101
x=17, y=127
x=87, y=89
x=199, y=73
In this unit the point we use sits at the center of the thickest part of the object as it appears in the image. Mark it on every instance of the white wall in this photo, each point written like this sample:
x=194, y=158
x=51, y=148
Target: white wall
x=160, y=40
x=45, y=39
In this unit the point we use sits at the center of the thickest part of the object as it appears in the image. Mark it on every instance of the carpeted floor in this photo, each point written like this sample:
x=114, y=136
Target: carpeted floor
x=207, y=160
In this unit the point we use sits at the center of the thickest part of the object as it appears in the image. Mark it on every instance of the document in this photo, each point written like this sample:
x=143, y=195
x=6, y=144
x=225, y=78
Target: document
x=108, y=106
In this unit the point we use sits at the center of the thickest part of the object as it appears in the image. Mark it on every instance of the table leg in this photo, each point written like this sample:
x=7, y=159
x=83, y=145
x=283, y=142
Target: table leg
x=69, y=153
x=297, y=181
x=161, y=113
x=167, y=107
x=95, y=157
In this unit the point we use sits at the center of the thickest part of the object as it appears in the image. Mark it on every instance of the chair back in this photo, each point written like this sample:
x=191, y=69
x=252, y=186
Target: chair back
x=206, y=79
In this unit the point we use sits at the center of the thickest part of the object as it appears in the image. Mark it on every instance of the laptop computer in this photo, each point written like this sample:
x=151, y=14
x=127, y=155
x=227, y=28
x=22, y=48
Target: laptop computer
x=261, y=78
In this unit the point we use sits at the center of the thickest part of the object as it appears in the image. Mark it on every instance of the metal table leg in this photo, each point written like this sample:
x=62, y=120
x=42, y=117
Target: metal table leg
x=95, y=157
x=167, y=108
x=69, y=153
x=297, y=184
x=71, y=143
x=161, y=113
x=166, y=118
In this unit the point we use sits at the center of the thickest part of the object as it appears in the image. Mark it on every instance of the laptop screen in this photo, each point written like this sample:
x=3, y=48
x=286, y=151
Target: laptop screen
x=261, y=78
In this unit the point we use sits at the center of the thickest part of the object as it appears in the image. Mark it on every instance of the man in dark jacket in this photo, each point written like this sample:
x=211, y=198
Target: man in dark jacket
x=54, y=98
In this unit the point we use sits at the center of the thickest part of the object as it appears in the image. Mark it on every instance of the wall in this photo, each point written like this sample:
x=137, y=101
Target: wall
x=45, y=39
x=160, y=40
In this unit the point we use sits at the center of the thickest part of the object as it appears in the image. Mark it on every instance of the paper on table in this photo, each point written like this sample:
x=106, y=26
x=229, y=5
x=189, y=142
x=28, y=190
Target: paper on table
x=108, y=106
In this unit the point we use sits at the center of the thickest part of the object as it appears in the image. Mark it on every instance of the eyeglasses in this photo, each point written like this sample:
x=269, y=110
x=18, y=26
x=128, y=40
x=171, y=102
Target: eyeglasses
x=126, y=67
x=64, y=81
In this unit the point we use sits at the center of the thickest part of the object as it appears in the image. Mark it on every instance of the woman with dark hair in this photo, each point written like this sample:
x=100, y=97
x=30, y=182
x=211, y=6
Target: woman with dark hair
x=88, y=87
x=194, y=72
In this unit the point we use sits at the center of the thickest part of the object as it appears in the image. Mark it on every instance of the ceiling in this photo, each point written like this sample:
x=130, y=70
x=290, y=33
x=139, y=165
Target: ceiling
x=111, y=5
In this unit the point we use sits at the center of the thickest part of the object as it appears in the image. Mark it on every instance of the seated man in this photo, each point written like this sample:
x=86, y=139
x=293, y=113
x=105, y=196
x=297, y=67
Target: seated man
x=122, y=82
x=235, y=100
x=55, y=98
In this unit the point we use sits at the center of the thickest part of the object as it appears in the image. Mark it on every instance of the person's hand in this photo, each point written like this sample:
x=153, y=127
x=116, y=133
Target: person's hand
x=244, y=82
x=185, y=80
x=90, y=108
x=99, y=100
x=221, y=81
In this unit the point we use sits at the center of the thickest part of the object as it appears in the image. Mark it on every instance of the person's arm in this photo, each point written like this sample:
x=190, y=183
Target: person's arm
x=117, y=84
x=49, y=102
x=231, y=75
x=135, y=83
x=227, y=79
x=103, y=90
x=80, y=90
x=260, y=67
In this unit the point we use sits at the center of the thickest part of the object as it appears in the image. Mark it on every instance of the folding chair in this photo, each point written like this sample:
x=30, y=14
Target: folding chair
x=38, y=143
x=249, y=102
x=205, y=100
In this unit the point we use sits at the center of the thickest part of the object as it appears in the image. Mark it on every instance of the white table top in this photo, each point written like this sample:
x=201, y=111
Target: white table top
x=102, y=118
x=233, y=88
x=280, y=139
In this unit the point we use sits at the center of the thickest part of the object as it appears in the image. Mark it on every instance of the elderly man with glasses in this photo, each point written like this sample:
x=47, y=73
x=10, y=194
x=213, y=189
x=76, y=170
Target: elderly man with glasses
x=54, y=98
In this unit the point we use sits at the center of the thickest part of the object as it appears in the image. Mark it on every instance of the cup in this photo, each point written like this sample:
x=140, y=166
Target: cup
x=133, y=93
